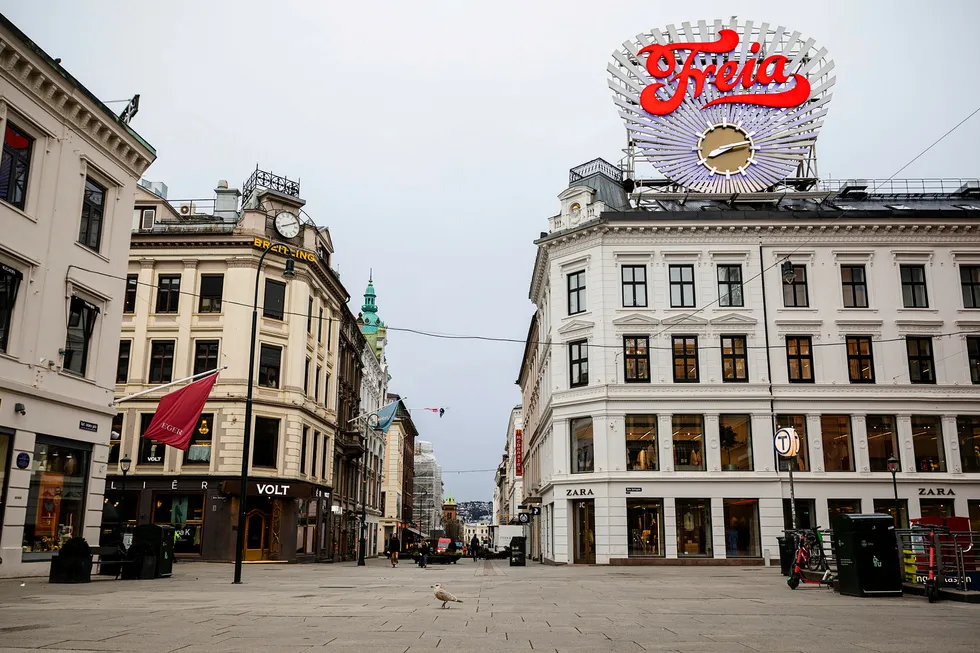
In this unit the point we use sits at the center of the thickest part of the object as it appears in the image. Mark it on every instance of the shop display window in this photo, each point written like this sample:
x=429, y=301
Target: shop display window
x=199, y=450
x=645, y=523
x=973, y=507
x=735, y=437
x=185, y=512
x=641, y=442
x=968, y=433
x=836, y=433
x=838, y=507
x=806, y=514
x=151, y=451
x=742, y=528
x=936, y=508
x=56, y=499
x=688, y=433
x=927, y=444
x=887, y=506
x=583, y=445
x=694, y=528
x=882, y=441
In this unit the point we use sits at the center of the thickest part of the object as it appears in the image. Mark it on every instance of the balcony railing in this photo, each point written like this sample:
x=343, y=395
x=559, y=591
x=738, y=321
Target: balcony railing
x=595, y=166
x=263, y=179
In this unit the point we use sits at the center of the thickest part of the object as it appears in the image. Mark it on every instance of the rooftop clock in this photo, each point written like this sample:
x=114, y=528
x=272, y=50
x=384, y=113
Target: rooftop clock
x=287, y=224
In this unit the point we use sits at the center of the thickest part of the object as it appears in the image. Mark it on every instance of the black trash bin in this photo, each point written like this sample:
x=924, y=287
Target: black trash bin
x=867, y=555
x=518, y=551
x=787, y=552
x=159, y=543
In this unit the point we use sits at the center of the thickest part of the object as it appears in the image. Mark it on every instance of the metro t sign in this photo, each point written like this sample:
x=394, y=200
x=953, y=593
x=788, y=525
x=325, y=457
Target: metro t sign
x=722, y=108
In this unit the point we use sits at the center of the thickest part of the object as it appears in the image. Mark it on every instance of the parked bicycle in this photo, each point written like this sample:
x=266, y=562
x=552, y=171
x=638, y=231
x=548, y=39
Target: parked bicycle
x=809, y=557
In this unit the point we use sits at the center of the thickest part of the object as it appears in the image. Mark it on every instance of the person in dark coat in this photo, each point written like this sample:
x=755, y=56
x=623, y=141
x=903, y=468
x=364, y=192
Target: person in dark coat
x=394, y=546
x=424, y=553
x=474, y=547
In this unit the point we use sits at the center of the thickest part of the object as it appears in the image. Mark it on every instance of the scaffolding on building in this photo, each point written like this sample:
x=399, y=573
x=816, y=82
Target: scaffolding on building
x=428, y=490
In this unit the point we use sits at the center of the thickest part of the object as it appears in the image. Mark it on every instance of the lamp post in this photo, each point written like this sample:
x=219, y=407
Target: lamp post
x=424, y=515
x=287, y=274
x=124, y=466
x=371, y=422
x=892, y=465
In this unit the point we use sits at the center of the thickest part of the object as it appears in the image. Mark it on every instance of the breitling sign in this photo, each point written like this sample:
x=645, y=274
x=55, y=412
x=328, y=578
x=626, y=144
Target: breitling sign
x=723, y=108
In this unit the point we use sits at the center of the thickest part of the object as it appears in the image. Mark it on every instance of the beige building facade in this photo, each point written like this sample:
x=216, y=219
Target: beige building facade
x=67, y=179
x=188, y=309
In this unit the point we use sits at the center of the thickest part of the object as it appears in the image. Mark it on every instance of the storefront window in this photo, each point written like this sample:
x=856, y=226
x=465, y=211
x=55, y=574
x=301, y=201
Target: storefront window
x=806, y=514
x=641, y=442
x=973, y=506
x=645, y=521
x=151, y=451
x=56, y=500
x=936, y=507
x=199, y=450
x=742, y=528
x=735, y=435
x=185, y=512
x=694, y=527
x=838, y=507
x=115, y=440
x=688, y=442
x=583, y=447
x=798, y=423
x=882, y=441
x=887, y=506
x=968, y=431
x=836, y=432
x=927, y=444
x=306, y=526
x=120, y=511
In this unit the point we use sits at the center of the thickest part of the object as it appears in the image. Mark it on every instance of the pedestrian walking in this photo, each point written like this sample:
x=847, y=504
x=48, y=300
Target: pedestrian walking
x=394, y=546
x=474, y=547
x=424, y=554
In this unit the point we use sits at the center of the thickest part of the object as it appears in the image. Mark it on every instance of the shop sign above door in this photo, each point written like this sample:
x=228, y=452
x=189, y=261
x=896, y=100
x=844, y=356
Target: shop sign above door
x=936, y=492
x=723, y=108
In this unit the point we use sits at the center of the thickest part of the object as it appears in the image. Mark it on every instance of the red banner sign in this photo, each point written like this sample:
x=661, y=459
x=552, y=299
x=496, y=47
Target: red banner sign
x=519, y=454
x=662, y=63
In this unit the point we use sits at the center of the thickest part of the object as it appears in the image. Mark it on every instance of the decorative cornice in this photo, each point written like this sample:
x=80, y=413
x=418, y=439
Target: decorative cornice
x=36, y=79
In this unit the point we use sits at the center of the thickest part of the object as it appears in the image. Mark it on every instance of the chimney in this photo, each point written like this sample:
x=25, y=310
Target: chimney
x=226, y=202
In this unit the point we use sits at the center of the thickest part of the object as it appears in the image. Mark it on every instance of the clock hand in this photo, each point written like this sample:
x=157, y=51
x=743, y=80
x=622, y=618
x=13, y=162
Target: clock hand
x=725, y=148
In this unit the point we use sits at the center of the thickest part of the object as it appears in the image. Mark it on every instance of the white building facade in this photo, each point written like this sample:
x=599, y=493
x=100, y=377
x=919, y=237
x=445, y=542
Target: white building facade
x=429, y=489
x=666, y=346
x=68, y=175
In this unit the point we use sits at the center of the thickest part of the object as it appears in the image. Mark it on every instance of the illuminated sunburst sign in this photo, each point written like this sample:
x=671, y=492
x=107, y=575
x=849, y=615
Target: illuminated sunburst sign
x=723, y=108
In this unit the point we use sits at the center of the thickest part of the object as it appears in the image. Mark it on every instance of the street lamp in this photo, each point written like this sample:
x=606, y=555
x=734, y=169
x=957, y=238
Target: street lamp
x=371, y=422
x=424, y=515
x=892, y=466
x=789, y=274
x=287, y=274
x=124, y=466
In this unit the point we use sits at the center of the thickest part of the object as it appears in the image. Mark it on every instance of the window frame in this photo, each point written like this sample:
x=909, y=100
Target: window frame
x=634, y=286
x=214, y=300
x=850, y=288
x=578, y=291
x=122, y=368
x=937, y=422
x=681, y=284
x=973, y=358
x=15, y=159
x=576, y=468
x=860, y=359
x=576, y=364
x=129, y=296
x=972, y=285
x=827, y=450
x=685, y=358
x=316, y=386
x=677, y=426
x=168, y=300
x=13, y=278
x=92, y=213
x=733, y=358
x=634, y=422
x=207, y=354
x=271, y=312
x=791, y=290
x=911, y=284
x=309, y=316
x=800, y=358
x=729, y=284
x=636, y=358
x=270, y=377
x=162, y=358
x=195, y=436
x=87, y=313
x=919, y=358
x=255, y=442
x=893, y=444
x=738, y=419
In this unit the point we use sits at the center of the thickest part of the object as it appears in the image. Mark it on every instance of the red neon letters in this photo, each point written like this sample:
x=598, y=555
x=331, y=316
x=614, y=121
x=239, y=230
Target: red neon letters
x=725, y=77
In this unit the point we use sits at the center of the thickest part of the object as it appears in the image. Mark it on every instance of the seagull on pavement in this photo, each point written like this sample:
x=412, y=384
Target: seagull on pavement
x=443, y=595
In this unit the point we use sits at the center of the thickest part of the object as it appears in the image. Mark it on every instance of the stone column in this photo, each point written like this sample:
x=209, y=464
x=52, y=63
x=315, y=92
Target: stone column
x=904, y=426
x=859, y=443
x=712, y=451
x=665, y=429
x=814, y=436
x=951, y=445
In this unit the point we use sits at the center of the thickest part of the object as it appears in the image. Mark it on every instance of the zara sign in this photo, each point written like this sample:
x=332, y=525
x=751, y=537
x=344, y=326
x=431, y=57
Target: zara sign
x=723, y=108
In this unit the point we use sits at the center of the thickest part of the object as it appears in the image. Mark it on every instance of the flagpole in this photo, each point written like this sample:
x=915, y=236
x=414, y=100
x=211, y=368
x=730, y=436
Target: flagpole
x=172, y=383
x=373, y=412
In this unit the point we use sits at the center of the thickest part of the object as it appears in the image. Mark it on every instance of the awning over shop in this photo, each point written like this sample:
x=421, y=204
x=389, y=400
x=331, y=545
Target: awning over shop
x=414, y=531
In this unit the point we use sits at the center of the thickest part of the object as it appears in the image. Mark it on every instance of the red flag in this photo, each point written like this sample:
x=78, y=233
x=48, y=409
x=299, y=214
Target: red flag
x=178, y=412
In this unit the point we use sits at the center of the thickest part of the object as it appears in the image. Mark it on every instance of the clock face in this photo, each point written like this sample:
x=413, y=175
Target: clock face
x=287, y=225
x=726, y=149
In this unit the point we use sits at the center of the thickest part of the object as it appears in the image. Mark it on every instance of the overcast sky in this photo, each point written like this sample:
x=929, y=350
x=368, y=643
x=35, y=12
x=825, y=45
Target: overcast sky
x=433, y=137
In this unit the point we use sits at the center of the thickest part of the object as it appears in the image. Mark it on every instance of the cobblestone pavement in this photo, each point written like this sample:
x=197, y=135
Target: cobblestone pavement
x=334, y=608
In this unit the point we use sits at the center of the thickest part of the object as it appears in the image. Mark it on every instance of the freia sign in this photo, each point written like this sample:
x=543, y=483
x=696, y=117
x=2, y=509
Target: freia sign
x=662, y=64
